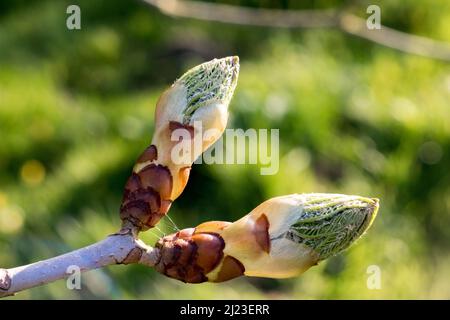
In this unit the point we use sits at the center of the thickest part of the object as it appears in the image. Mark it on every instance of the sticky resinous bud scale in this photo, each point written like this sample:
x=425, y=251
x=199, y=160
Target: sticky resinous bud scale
x=283, y=237
x=196, y=103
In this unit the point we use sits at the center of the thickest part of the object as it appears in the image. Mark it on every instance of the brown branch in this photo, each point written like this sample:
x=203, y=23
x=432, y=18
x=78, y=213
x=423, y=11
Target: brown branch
x=345, y=22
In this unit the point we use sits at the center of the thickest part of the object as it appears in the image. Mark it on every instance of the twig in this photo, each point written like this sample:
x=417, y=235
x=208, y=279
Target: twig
x=246, y=16
x=121, y=248
x=345, y=22
x=395, y=39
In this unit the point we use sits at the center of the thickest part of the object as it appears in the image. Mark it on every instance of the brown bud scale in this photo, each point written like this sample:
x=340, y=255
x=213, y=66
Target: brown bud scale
x=147, y=193
x=149, y=154
x=188, y=256
x=231, y=268
x=261, y=233
x=174, y=125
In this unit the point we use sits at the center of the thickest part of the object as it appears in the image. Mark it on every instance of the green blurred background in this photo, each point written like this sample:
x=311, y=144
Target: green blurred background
x=76, y=109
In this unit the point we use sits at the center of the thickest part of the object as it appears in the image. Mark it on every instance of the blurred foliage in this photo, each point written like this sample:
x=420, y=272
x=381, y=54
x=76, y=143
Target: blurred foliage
x=76, y=109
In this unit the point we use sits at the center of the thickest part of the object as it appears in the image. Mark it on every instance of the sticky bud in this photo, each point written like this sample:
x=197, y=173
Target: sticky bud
x=302, y=230
x=283, y=237
x=198, y=101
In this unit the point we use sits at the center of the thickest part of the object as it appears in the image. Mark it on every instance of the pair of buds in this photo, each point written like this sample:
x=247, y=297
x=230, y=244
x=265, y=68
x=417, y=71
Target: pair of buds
x=282, y=237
